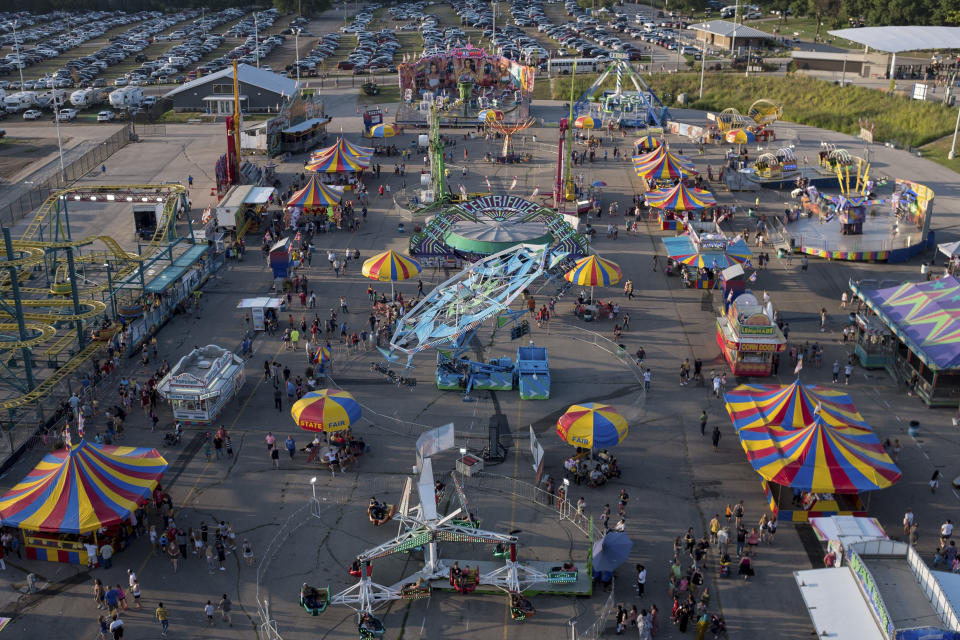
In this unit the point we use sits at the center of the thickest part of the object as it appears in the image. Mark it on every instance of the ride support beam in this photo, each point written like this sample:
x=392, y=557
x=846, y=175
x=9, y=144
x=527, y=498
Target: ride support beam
x=75, y=295
x=18, y=308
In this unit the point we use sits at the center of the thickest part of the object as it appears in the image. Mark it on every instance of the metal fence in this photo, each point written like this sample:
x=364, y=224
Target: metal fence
x=55, y=179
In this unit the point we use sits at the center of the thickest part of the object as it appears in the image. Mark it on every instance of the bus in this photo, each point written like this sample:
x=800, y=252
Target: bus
x=564, y=66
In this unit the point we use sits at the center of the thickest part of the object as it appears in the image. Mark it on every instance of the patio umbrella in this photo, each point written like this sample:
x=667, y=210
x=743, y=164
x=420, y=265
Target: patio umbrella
x=390, y=266
x=611, y=551
x=594, y=271
x=326, y=410
x=488, y=115
x=587, y=122
x=322, y=356
x=599, y=183
x=646, y=143
x=592, y=425
x=382, y=131
x=740, y=136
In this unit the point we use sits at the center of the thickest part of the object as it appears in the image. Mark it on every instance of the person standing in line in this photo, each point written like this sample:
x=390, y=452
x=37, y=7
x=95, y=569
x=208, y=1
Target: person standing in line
x=225, y=607
x=703, y=422
x=641, y=579
x=162, y=616
x=716, y=438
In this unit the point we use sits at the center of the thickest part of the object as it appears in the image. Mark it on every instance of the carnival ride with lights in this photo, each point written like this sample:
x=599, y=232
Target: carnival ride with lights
x=62, y=297
x=423, y=527
x=619, y=108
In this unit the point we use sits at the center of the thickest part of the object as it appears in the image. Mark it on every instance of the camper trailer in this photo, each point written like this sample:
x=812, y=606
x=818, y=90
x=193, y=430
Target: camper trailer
x=126, y=97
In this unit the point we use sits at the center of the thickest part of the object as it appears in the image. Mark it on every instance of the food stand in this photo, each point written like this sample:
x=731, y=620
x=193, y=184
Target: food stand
x=201, y=384
x=73, y=494
x=748, y=338
x=241, y=210
x=258, y=309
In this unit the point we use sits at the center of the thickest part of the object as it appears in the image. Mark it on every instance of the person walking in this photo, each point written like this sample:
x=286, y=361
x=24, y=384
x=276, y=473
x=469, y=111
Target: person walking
x=641, y=579
x=173, y=552
x=703, y=422
x=162, y=616
x=291, y=446
x=248, y=553
x=99, y=594
x=847, y=372
x=836, y=371
x=135, y=590
x=208, y=610
x=716, y=438
x=275, y=456
x=738, y=513
x=116, y=627
x=225, y=607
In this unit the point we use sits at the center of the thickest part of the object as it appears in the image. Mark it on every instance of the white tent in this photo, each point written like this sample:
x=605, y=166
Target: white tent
x=949, y=249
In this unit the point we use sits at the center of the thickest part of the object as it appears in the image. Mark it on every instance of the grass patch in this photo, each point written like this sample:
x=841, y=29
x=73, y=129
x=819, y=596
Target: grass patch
x=805, y=28
x=388, y=94
x=938, y=150
x=183, y=117
x=808, y=101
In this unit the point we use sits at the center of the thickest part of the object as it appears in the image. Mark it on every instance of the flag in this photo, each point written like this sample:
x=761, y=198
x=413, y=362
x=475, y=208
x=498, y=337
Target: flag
x=536, y=191
x=463, y=190
x=796, y=369
x=80, y=425
x=67, y=436
x=488, y=183
x=748, y=265
x=513, y=184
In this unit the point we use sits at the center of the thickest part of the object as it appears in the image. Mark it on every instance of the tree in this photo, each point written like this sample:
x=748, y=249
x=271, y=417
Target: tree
x=821, y=8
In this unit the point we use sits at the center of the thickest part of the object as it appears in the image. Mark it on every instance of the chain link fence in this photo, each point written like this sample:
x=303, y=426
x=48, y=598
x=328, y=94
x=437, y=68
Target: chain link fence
x=44, y=185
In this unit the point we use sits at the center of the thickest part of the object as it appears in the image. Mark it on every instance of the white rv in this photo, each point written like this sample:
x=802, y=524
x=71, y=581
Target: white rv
x=20, y=101
x=126, y=97
x=82, y=98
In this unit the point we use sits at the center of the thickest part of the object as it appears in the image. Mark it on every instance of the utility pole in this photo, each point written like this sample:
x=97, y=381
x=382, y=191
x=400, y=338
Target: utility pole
x=16, y=42
x=256, y=38
x=703, y=65
x=953, y=145
x=296, y=40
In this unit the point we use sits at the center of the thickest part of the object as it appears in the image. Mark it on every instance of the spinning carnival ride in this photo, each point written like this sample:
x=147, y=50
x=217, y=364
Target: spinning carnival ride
x=638, y=108
x=423, y=527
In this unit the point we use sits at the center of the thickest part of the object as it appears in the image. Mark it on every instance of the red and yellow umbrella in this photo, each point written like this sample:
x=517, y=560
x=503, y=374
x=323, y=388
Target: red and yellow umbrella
x=594, y=271
x=322, y=356
x=390, y=266
x=587, y=122
x=326, y=410
x=592, y=425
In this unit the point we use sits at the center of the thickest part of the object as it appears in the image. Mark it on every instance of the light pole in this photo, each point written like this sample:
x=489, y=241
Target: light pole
x=56, y=120
x=703, y=65
x=113, y=298
x=256, y=39
x=953, y=145
x=16, y=42
x=296, y=40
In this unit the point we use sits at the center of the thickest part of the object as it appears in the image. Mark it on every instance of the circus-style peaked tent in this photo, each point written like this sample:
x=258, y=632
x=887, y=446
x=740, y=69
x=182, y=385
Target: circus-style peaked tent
x=820, y=457
x=680, y=198
x=793, y=406
x=315, y=194
x=80, y=490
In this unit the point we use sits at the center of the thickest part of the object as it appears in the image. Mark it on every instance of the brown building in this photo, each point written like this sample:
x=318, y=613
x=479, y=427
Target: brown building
x=723, y=34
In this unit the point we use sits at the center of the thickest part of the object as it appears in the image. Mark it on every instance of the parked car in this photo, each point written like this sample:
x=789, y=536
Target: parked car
x=106, y=116
x=32, y=114
x=67, y=115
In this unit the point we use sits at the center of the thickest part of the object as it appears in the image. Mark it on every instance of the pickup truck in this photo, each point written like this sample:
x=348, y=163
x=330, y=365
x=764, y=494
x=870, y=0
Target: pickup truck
x=66, y=115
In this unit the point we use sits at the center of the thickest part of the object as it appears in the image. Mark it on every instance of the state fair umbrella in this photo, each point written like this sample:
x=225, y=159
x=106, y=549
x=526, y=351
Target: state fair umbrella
x=611, y=551
x=646, y=143
x=592, y=425
x=594, y=271
x=390, y=266
x=322, y=356
x=326, y=410
x=740, y=136
x=488, y=115
x=382, y=131
x=587, y=122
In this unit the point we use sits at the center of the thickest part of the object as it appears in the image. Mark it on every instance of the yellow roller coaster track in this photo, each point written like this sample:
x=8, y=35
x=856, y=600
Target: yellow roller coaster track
x=46, y=333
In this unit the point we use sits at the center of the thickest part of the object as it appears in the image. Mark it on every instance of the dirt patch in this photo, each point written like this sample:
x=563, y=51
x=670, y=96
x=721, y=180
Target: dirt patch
x=17, y=153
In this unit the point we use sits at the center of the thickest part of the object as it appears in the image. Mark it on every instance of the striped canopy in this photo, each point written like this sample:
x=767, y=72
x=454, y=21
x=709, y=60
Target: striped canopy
x=647, y=143
x=594, y=271
x=316, y=194
x=382, y=130
x=664, y=165
x=820, y=457
x=390, y=266
x=587, y=122
x=740, y=136
x=326, y=410
x=683, y=250
x=338, y=161
x=592, y=425
x=680, y=198
x=793, y=406
x=344, y=146
x=80, y=490
x=322, y=356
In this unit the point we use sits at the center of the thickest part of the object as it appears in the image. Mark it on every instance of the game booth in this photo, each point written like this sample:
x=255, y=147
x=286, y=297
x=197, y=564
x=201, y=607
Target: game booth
x=813, y=450
x=922, y=317
x=201, y=383
x=677, y=204
x=471, y=76
x=77, y=498
x=315, y=199
x=340, y=164
x=748, y=338
x=699, y=258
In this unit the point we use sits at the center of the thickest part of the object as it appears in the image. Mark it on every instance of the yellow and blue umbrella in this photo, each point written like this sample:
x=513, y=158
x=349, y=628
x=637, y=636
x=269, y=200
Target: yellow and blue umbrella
x=382, y=130
x=326, y=410
x=322, y=356
x=646, y=143
x=592, y=425
x=488, y=115
x=587, y=122
x=740, y=136
x=390, y=266
x=594, y=271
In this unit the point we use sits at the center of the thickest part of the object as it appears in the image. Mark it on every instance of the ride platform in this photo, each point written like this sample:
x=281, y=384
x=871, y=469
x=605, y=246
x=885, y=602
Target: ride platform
x=582, y=586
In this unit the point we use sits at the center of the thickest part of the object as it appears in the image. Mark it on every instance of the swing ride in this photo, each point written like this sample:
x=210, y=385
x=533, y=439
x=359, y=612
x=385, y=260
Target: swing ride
x=619, y=108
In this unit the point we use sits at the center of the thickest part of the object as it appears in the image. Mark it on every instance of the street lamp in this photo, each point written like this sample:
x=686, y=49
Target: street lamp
x=113, y=298
x=296, y=39
x=56, y=120
x=256, y=39
x=16, y=43
x=953, y=146
x=313, y=486
x=703, y=64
